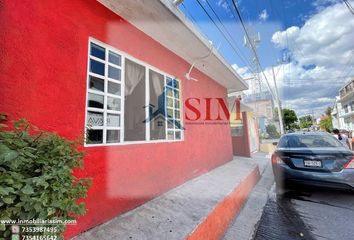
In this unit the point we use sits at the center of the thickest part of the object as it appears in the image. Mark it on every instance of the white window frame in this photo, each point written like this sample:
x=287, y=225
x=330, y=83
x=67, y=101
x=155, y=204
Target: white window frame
x=122, y=82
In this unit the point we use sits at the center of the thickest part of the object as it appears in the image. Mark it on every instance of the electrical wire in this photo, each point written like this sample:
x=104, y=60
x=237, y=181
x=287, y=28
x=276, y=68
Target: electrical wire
x=252, y=47
x=223, y=34
x=228, y=33
x=189, y=13
x=349, y=6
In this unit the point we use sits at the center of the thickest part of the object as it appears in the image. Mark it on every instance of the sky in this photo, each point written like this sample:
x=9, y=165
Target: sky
x=309, y=43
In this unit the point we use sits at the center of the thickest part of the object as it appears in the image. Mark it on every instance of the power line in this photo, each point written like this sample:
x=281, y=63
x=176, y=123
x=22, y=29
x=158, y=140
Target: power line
x=228, y=33
x=189, y=13
x=223, y=34
x=252, y=47
x=349, y=6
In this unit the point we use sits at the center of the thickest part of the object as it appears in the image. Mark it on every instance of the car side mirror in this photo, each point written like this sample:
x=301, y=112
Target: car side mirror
x=275, y=143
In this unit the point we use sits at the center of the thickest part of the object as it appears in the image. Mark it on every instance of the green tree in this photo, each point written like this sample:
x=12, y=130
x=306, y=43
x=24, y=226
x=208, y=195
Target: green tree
x=294, y=126
x=306, y=121
x=289, y=118
x=326, y=123
x=272, y=131
x=328, y=111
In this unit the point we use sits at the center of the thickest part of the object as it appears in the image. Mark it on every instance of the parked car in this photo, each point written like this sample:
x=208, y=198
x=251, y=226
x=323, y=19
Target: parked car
x=313, y=158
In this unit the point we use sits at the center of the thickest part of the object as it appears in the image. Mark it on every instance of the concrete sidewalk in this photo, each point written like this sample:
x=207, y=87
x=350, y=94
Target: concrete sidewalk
x=246, y=222
x=201, y=208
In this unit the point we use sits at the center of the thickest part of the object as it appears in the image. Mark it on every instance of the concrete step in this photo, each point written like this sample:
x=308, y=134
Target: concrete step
x=246, y=222
x=201, y=208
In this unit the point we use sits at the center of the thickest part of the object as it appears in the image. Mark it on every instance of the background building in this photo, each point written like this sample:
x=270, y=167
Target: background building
x=263, y=107
x=343, y=109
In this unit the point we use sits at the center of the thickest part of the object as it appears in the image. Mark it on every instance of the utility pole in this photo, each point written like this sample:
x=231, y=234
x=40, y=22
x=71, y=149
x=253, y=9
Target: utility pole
x=280, y=115
x=256, y=84
x=313, y=118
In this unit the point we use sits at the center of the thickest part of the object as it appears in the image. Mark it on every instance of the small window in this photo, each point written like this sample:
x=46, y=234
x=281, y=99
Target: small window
x=237, y=131
x=173, y=111
x=103, y=98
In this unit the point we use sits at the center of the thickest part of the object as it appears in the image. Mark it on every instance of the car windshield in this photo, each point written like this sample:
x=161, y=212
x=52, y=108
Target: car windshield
x=309, y=141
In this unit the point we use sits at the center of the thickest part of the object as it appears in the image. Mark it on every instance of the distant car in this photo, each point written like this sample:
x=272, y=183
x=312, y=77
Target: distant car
x=313, y=158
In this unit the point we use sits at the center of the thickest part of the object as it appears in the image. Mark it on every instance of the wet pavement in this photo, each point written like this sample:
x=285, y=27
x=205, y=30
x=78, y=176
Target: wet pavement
x=307, y=214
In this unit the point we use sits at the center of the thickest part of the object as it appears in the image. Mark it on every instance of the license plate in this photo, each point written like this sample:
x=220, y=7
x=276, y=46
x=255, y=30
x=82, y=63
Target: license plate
x=312, y=163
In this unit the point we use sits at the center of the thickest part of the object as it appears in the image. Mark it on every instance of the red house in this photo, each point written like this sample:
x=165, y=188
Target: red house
x=118, y=70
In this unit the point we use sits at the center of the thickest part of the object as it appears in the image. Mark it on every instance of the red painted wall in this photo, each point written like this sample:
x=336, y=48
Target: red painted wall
x=240, y=144
x=43, y=67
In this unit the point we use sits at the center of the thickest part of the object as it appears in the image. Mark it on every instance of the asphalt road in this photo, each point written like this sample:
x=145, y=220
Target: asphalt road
x=307, y=214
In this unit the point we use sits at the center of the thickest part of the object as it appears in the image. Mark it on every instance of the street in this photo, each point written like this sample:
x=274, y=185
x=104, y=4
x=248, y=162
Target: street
x=307, y=214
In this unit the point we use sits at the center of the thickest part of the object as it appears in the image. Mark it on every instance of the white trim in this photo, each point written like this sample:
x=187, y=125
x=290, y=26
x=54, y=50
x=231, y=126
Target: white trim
x=165, y=104
x=105, y=103
x=86, y=92
x=105, y=111
x=147, y=104
x=94, y=74
x=98, y=59
x=122, y=93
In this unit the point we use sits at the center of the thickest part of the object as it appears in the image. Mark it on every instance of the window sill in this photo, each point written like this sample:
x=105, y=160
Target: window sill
x=132, y=143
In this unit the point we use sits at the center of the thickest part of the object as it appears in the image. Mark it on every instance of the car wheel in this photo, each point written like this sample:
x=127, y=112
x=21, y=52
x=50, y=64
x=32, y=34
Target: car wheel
x=280, y=187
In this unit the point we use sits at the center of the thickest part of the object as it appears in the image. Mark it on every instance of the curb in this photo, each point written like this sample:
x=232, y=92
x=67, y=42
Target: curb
x=216, y=223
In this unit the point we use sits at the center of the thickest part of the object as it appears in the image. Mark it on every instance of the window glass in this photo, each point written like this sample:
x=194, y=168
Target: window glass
x=94, y=118
x=114, y=58
x=98, y=51
x=312, y=141
x=94, y=136
x=178, y=135
x=177, y=114
x=169, y=92
x=170, y=124
x=176, y=103
x=97, y=67
x=170, y=135
x=176, y=84
x=157, y=106
x=134, y=110
x=176, y=95
x=169, y=102
x=172, y=83
x=112, y=136
x=170, y=112
x=114, y=88
x=113, y=120
x=96, y=84
x=114, y=73
x=113, y=103
x=177, y=124
x=95, y=100
x=237, y=131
